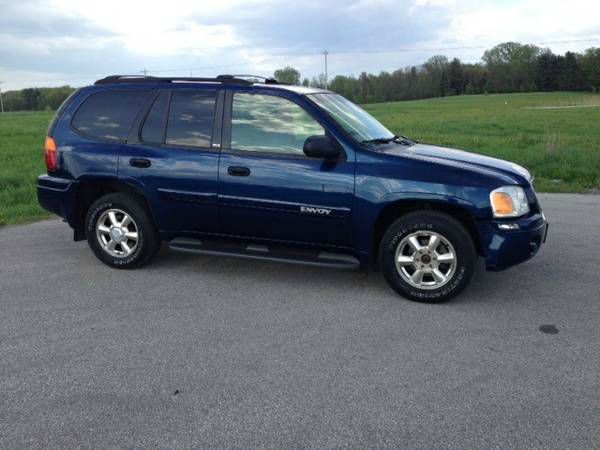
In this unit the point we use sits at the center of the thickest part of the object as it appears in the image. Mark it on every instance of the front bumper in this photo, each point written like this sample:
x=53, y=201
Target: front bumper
x=506, y=243
x=57, y=195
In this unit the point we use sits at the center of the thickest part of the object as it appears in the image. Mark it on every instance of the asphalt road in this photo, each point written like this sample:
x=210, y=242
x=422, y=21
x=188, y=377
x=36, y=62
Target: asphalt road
x=198, y=351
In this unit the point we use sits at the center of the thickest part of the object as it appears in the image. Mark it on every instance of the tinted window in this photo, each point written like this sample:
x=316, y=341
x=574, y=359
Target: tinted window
x=60, y=111
x=265, y=123
x=109, y=115
x=154, y=126
x=191, y=118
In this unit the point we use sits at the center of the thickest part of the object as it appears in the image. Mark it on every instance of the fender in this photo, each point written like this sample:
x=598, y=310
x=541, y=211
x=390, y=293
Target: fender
x=87, y=182
x=364, y=227
x=429, y=197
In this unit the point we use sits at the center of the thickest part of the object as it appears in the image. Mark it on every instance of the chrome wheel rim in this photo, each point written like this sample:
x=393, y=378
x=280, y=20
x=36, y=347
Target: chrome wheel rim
x=425, y=260
x=117, y=233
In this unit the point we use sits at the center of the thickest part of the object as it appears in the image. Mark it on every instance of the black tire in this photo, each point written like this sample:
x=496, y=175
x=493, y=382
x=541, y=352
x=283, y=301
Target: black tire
x=447, y=227
x=147, y=243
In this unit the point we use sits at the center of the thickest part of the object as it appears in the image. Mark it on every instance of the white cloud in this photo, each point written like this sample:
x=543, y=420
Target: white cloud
x=527, y=21
x=77, y=39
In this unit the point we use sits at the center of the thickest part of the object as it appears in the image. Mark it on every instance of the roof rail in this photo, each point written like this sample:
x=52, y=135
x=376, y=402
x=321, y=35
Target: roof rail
x=266, y=80
x=229, y=79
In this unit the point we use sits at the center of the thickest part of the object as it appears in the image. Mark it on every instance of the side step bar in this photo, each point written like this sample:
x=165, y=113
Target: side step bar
x=267, y=253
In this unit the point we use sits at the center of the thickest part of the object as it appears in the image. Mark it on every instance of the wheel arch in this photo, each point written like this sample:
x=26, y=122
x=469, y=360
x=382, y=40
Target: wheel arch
x=397, y=208
x=91, y=189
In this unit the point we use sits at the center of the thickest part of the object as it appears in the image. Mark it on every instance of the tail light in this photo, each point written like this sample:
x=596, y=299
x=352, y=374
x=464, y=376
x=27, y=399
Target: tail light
x=50, y=154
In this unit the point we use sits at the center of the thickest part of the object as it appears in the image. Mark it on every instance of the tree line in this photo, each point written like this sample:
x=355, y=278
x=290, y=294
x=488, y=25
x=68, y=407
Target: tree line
x=36, y=99
x=507, y=67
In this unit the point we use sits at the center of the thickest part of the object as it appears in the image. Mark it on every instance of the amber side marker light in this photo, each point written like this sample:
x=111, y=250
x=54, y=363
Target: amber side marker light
x=50, y=154
x=502, y=204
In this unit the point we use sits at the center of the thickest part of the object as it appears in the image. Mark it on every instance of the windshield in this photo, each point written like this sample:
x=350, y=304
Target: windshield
x=356, y=121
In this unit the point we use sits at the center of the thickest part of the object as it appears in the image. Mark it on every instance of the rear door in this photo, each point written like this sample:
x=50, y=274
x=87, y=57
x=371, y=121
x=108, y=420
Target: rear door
x=268, y=188
x=174, y=157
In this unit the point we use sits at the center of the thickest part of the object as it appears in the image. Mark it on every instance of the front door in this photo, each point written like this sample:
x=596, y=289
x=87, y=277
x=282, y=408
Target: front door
x=268, y=188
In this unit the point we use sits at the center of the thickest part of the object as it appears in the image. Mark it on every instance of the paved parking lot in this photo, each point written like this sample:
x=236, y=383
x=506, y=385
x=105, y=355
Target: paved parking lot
x=197, y=351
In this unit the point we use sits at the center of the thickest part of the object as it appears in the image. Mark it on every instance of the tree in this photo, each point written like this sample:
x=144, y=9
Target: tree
x=511, y=66
x=437, y=83
x=318, y=82
x=571, y=77
x=287, y=75
x=590, y=64
x=456, y=77
x=31, y=99
x=548, y=67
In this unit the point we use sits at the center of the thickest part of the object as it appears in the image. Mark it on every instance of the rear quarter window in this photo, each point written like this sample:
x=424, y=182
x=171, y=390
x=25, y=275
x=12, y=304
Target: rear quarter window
x=109, y=115
x=60, y=111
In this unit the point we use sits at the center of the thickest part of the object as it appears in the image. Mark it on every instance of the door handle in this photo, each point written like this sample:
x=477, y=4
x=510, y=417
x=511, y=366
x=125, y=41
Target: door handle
x=238, y=171
x=140, y=162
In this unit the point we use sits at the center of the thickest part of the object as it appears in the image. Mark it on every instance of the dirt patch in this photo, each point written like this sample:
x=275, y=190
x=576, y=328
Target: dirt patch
x=561, y=107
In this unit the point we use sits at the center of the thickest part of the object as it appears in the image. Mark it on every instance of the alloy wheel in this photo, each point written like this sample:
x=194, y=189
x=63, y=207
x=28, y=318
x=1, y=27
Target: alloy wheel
x=117, y=233
x=425, y=260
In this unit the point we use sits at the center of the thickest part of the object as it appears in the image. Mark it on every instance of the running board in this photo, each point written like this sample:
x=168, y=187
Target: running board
x=267, y=253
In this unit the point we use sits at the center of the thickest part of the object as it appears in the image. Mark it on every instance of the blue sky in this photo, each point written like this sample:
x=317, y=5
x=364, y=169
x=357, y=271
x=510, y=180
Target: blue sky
x=54, y=42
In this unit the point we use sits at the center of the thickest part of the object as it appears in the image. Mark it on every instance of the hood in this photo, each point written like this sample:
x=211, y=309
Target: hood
x=443, y=155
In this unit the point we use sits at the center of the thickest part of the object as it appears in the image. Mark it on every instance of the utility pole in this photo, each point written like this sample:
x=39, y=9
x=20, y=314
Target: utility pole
x=1, y=102
x=144, y=71
x=325, y=53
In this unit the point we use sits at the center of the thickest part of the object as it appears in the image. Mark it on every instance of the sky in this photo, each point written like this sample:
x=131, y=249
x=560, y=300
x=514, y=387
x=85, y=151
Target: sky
x=58, y=42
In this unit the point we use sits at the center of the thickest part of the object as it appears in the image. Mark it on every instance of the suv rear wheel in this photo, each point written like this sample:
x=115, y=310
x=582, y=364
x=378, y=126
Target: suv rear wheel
x=427, y=256
x=120, y=231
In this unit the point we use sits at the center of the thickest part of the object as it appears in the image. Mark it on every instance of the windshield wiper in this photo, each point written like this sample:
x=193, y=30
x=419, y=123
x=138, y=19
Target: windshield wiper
x=398, y=139
x=377, y=141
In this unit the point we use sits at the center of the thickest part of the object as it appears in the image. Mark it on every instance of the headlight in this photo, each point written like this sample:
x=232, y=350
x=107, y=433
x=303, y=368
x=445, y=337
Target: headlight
x=509, y=201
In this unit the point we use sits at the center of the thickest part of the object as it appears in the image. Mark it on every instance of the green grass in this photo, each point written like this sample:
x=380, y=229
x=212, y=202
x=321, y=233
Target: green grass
x=560, y=146
x=21, y=161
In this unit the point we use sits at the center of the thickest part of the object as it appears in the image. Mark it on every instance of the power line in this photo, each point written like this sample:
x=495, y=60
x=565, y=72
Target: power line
x=440, y=49
x=386, y=50
x=88, y=76
x=325, y=53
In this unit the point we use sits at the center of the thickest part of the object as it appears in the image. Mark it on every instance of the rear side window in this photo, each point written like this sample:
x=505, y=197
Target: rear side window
x=191, y=118
x=154, y=126
x=109, y=115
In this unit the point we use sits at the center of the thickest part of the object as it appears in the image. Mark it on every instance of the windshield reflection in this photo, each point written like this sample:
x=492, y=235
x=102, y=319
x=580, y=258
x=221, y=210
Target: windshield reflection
x=353, y=119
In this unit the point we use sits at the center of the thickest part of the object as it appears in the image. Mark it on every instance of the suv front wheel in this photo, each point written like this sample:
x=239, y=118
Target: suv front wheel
x=427, y=256
x=120, y=231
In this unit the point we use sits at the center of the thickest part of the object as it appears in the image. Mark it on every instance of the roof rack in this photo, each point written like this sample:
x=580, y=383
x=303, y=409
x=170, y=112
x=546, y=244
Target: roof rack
x=226, y=79
x=265, y=80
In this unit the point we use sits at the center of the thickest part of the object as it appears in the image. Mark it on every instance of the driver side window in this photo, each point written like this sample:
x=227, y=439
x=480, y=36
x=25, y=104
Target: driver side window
x=266, y=123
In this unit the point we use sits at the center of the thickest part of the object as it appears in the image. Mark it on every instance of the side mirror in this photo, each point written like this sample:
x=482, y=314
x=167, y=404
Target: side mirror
x=321, y=147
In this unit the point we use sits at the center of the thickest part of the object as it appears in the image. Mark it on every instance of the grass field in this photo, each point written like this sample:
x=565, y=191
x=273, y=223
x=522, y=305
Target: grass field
x=561, y=146
x=22, y=160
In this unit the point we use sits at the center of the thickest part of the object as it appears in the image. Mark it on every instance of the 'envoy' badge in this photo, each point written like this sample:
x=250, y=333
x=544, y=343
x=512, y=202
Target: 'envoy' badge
x=313, y=210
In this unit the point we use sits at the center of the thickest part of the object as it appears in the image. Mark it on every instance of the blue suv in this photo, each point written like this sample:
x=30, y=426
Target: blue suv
x=233, y=166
